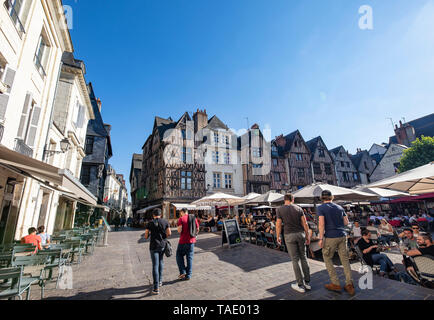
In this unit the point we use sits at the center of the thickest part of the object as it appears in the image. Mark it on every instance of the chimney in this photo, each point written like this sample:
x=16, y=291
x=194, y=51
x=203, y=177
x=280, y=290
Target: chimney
x=200, y=119
x=400, y=123
x=99, y=103
x=255, y=127
x=280, y=141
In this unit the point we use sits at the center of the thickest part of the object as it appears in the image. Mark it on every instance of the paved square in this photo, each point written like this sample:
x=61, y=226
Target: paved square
x=248, y=272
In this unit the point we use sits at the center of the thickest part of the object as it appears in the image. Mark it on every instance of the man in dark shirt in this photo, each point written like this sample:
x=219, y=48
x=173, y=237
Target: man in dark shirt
x=296, y=238
x=332, y=222
x=159, y=231
x=425, y=248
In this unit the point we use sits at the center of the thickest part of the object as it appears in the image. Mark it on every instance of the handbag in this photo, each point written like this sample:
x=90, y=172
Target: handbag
x=168, y=251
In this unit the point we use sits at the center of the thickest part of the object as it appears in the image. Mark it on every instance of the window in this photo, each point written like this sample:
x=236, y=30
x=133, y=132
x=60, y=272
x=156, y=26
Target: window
x=366, y=165
x=89, y=145
x=17, y=12
x=277, y=177
x=257, y=166
x=275, y=162
x=216, y=138
x=346, y=176
x=274, y=148
x=321, y=153
x=342, y=164
x=257, y=152
x=85, y=175
x=300, y=173
x=227, y=158
x=328, y=168
x=215, y=156
x=226, y=140
x=299, y=157
x=187, y=156
x=228, y=181
x=217, y=180
x=41, y=56
x=296, y=143
x=29, y=121
x=3, y=65
x=356, y=176
x=317, y=168
x=186, y=180
x=348, y=165
x=79, y=121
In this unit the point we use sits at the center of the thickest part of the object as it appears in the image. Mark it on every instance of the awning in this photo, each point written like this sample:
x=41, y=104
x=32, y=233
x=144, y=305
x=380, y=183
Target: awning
x=148, y=208
x=53, y=177
x=180, y=206
x=414, y=198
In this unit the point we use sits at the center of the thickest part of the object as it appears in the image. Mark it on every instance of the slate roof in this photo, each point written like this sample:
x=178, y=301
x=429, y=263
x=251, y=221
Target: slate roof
x=336, y=150
x=423, y=127
x=356, y=159
x=216, y=123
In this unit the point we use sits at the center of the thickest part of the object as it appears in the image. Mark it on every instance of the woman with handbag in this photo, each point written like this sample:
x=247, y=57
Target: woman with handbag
x=159, y=230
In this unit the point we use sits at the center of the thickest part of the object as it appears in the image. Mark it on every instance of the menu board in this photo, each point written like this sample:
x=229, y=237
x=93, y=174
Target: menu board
x=231, y=233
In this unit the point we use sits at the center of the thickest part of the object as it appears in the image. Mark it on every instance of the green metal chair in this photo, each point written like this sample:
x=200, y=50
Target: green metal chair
x=24, y=249
x=78, y=248
x=6, y=259
x=55, y=260
x=13, y=284
x=33, y=269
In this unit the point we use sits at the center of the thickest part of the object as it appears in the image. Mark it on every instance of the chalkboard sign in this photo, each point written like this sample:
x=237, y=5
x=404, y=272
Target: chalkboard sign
x=231, y=233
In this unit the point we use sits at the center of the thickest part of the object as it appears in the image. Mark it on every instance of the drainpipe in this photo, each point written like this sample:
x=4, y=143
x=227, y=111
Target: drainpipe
x=50, y=123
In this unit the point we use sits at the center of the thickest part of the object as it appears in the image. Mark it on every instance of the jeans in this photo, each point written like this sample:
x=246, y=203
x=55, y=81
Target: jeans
x=385, y=264
x=157, y=267
x=187, y=250
x=295, y=242
x=386, y=239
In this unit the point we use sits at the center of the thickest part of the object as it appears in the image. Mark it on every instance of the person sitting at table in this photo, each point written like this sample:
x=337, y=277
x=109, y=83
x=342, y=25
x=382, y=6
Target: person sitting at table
x=210, y=223
x=33, y=238
x=372, y=255
x=408, y=238
x=45, y=237
x=425, y=246
x=416, y=229
x=356, y=232
x=386, y=232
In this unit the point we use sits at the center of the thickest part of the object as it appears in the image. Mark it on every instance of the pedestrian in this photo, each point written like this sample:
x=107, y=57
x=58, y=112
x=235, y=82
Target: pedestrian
x=188, y=228
x=158, y=229
x=296, y=235
x=332, y=222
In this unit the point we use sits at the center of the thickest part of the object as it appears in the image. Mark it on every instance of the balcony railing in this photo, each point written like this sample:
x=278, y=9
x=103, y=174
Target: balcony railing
x=39, y=66
x=23, y=148
x=2, y=130
x=15, y=17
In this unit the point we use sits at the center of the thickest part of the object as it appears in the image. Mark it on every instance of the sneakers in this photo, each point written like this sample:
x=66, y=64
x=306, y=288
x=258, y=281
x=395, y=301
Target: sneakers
x=297, y=288
x=350, y=289
x=333, y=287
x=160, y=284
x=307, y=286
x=181, y=276
x=155, y=292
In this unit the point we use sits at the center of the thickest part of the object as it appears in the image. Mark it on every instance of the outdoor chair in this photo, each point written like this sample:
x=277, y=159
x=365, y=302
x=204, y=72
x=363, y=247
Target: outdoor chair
x=77, y=249
x=24, y=250
x=252, y=236
x=33, y=268
x=13, y=284
x=6, y=259
x=57, y=239
x=55, y=260
x=65, y=248
x=245, y=234
x=423, y=270
x=375, y=267
x=270, y=241
x=259, y=239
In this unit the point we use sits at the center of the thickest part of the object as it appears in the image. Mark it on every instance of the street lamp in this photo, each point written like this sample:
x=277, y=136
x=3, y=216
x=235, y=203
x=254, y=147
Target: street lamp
x=64, y=147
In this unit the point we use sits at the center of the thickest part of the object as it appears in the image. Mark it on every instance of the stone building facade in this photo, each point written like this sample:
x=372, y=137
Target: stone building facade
x=389, y=163
x=347, y=175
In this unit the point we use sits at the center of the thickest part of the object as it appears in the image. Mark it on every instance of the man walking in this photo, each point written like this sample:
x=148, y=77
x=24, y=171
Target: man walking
x=188, y=228
x=296, y=234
x=159, y=231
x=332, y=221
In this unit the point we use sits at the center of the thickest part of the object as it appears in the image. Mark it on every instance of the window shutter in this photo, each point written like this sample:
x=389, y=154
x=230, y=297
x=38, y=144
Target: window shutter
x=24, y=116
x=4, y=98
x=80, y=117
x=33, y=127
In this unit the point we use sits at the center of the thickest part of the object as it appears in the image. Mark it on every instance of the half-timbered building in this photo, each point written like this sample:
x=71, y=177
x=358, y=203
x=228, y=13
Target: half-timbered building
x=322, y=162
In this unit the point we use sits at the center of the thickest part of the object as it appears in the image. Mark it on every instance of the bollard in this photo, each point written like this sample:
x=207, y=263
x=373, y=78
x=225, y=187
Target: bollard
x=105, y=244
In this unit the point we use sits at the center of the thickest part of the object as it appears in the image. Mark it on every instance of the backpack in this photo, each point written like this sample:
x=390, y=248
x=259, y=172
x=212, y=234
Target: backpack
x=192, y=227
x=168, y=251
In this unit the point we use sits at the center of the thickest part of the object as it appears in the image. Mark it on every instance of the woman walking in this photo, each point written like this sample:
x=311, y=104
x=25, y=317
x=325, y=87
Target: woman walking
x=159, y=230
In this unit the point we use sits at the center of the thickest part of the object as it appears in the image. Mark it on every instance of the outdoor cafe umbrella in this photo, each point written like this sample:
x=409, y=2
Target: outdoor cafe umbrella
x=218, y=198
x=312, y=193
x=383, y=193
x=268, y=197
x=416, y=181
x=262, y=207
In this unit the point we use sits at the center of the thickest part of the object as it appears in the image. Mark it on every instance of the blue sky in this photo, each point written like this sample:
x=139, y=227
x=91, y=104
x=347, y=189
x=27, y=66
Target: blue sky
x=285, y=64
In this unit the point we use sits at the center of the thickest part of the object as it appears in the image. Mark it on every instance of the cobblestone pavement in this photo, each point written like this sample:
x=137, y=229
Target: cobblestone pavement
x=247, y=272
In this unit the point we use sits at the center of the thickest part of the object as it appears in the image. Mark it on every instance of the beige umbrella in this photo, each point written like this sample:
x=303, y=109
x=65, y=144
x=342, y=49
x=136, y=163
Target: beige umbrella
x=219, y=198
x=312, y=193
x=416, y=181
x=383, y=193
x=268, y=197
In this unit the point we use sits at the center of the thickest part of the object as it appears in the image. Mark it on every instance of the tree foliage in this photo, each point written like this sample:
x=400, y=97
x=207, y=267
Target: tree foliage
x=420, y=153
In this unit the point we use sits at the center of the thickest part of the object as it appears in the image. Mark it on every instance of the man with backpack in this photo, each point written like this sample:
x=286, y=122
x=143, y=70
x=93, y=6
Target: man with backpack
x=188, y=228
x=159, y=231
